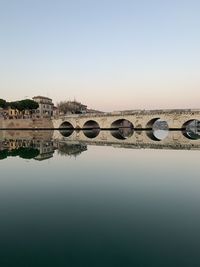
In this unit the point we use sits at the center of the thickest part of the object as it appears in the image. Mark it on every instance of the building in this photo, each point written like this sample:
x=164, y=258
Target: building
x=2, y=112
x=14, y=113
x=55, y=111
x=45, y=108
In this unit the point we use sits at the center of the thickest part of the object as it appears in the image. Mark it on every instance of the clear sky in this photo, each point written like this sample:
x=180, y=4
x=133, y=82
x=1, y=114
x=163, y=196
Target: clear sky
x=108, y=54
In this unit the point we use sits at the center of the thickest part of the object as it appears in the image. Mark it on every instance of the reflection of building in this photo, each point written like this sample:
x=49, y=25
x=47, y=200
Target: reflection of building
x=12, y=144
x=45, y=106
x=37, y=149
x=46, y=149
x=71, y=149
x=18, y=148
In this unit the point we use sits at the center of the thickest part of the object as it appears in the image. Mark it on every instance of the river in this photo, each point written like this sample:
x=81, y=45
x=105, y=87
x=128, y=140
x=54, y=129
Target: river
x=77, y=204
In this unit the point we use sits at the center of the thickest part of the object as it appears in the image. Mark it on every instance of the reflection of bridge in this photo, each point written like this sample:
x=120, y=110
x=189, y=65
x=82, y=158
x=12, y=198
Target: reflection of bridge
x=76, y=141
x=140, y=119
x=139, y=139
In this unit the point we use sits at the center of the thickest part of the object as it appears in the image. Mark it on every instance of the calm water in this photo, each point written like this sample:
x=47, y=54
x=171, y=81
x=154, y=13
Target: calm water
x=74, y=204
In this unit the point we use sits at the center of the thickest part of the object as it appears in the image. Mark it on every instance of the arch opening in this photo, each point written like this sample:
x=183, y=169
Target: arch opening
x=91, y=124
x=157, y=124
x=91, y=129
x=66, y=129
x=122, y=129
x=191, y=129
x=157, y=129
x=122, y=123
x=66, y=125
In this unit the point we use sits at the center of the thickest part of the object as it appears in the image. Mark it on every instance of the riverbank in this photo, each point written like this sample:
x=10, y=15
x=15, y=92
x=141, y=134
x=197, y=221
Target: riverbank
x=26, y=124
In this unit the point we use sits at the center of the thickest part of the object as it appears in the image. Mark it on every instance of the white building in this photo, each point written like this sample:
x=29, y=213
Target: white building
x=45, y=106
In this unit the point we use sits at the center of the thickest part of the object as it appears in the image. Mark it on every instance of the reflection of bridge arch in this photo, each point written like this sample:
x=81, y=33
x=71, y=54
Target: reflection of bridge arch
x=151, y=135
x=158, y=135
x=66, y=132
x=174, y=140
x=191, y=135
x=91, y=133
x=122, y=133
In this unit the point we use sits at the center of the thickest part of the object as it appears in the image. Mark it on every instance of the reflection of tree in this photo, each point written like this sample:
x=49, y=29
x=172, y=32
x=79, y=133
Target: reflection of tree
x=71, y=149
x=22, y=152
x=3, y=154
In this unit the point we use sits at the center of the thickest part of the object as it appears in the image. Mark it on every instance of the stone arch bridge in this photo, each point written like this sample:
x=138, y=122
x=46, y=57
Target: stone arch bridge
x=139, y=119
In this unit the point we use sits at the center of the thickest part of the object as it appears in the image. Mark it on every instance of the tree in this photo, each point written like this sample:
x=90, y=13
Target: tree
x=3, y=103
x=70, y=107
x=26, y=104
x=14, y=105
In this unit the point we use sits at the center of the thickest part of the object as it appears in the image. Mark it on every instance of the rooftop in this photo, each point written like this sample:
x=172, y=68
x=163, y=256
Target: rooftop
x=42, y=97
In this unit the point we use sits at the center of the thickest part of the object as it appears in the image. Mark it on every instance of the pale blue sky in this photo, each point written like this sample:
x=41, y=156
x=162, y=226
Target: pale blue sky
x=109, y=54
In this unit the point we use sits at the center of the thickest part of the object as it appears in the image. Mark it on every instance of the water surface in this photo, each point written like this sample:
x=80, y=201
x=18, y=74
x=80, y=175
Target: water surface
x=75, y=204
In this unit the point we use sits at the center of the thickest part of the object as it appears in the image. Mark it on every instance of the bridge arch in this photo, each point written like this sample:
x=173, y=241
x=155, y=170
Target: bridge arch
x=91, y=129
x=122, y=129
x=66, y=125
x=190, y=129
x=66, y=129
x=157, y=129
x=91, y=124
x=122, y=123
x=191, y=123
x=153, y=123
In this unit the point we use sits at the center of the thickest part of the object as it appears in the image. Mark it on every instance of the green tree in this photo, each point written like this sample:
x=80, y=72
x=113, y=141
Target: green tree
x=26, y=104
x=15, y=105
x=3, y=103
